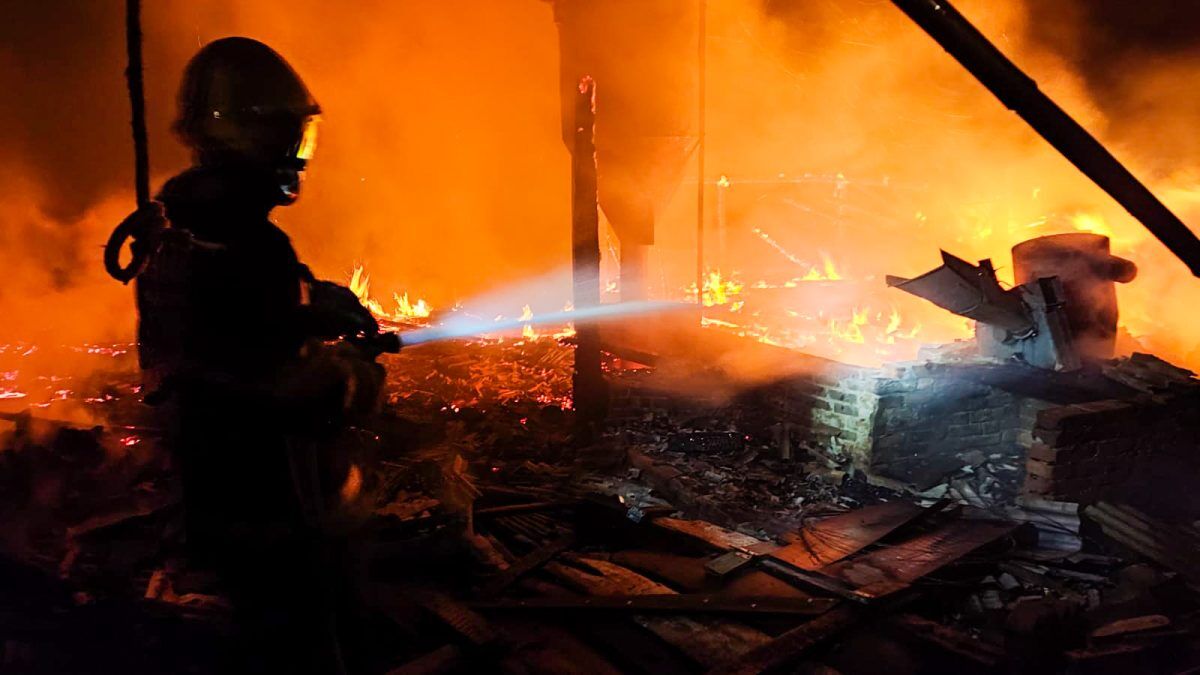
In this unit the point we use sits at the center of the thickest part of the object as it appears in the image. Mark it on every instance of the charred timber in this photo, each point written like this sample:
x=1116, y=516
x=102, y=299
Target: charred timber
x=1020, y=93
x=587, y=379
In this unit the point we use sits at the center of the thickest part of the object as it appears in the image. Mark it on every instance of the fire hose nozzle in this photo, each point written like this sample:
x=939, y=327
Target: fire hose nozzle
x=389, y=343
x=382, y=342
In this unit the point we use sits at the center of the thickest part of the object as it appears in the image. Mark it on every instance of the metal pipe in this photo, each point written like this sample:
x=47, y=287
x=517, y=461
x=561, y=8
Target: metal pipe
x=1020, y=93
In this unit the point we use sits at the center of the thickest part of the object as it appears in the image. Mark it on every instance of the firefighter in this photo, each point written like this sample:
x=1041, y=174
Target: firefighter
x=233, y=334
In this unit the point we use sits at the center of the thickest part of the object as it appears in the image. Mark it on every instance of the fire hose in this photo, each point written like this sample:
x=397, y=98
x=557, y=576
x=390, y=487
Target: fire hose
x=133, y=227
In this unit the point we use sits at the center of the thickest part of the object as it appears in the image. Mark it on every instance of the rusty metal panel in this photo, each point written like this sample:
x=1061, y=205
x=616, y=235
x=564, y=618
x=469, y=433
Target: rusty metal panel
x=827, y=541
x=893, y=568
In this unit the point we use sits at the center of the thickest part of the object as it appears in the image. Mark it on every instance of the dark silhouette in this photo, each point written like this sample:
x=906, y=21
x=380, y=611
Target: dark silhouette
x=234, y=335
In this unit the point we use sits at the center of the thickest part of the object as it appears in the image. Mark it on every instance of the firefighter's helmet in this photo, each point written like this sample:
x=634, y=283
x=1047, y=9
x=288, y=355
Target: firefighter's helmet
x=240, y=99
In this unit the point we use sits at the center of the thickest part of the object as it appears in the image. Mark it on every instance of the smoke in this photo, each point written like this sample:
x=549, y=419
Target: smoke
x=855, y=89
x=441, y=165
x=1137, y=60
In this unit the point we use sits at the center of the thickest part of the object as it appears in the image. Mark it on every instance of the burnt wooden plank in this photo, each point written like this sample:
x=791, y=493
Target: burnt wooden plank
x=679, y=571
x=690, y=603
x=976, y=652
x=715, y=535
x=535, y=559
x=632, y=648
x=793, y=644
x=758, y=582
x=444, y=659
x=463, y=620
x=707, y=641
x=605, y=578
x=542, y=647
x=1173, y=547
x=814, y=580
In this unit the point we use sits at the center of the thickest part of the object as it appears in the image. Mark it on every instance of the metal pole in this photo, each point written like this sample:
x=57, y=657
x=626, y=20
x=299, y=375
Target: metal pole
x=137, y=100
x=587, y=380
x=132, y=227
x=1020, y=94
x=701, y=121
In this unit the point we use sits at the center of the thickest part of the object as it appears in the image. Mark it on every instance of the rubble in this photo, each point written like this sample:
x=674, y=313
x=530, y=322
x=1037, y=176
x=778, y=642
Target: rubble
x=677, y=543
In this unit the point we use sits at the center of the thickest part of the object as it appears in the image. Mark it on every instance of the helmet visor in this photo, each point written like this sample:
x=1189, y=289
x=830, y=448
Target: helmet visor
x=307, y=146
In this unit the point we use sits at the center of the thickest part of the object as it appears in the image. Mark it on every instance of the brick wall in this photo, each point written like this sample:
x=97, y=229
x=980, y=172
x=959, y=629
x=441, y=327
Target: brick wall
x=821, y=403
x=1143, y=451
x=917, y=423
x=932, y=421
x=832, y=409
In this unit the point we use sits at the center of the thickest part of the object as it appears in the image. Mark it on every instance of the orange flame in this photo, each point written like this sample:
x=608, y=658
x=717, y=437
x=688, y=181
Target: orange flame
x=406, y=310
x=828, y=271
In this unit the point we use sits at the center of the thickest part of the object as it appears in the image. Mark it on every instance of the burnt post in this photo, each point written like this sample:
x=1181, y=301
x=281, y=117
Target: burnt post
x=1020, y=94
x=589, y=388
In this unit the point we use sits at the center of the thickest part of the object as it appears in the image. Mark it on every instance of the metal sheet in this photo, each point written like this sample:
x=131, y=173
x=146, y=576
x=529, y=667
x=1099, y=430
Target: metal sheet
x=894, y=568
x=966, y=290
x=827, y=541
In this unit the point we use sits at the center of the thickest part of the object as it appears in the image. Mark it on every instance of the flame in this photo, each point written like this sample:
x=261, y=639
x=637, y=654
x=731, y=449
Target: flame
x=360, y=286
x=406, y=309
x=418, y=310
x=828, y=271
x=850, y=331
x=718, y=290
x=893, y=321
x=1093, y=223
x=360, y=283
x=568, y=331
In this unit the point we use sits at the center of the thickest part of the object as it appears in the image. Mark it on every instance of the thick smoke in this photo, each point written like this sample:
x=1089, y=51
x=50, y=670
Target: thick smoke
x=1139, y=61
x=441, y=165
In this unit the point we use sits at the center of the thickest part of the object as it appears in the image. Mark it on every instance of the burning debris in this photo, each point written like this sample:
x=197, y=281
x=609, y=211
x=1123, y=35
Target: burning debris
x=515, y=550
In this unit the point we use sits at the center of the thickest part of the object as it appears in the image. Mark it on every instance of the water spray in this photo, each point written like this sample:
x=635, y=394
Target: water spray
x=466, y=327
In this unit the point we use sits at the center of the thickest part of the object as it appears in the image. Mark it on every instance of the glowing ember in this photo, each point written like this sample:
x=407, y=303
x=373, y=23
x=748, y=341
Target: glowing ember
x=352, y=486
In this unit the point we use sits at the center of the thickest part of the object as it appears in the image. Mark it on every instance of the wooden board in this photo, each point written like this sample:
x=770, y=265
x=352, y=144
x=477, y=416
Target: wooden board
x=707, y=641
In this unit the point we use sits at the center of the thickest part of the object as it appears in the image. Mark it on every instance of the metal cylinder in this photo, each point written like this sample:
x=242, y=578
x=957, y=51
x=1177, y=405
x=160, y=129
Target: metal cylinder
x=641, y=55
x=1089, y=274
